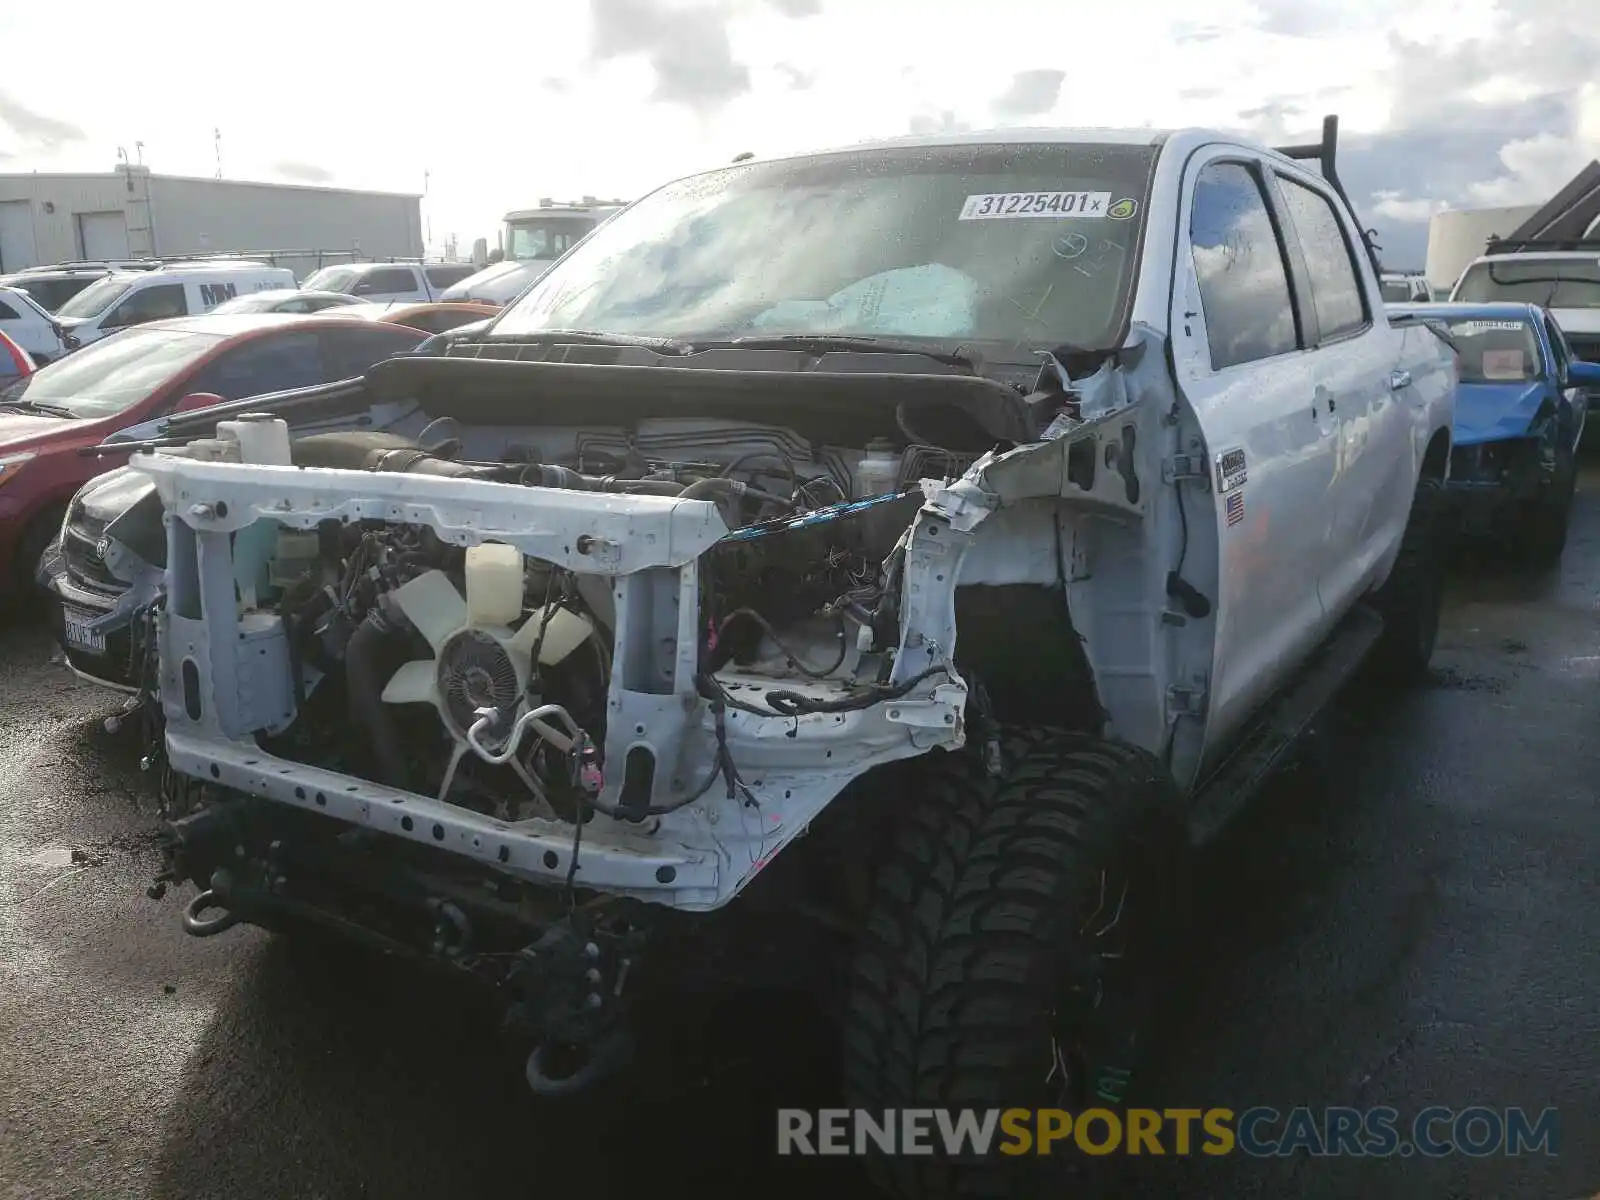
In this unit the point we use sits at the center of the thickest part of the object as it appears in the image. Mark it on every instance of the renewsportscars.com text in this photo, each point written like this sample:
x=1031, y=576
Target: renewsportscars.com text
x=1380, y=1132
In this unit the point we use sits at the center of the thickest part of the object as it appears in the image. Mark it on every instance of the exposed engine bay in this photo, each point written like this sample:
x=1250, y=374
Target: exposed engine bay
x=480, y=676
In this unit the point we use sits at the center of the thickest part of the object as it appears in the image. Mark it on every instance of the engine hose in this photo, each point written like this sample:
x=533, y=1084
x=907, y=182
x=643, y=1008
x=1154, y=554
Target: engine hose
x=365, y=656
x=717, y=486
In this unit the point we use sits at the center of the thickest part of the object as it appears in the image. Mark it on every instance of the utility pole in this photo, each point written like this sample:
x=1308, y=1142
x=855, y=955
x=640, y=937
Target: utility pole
x=217, y=138
x=427, y=235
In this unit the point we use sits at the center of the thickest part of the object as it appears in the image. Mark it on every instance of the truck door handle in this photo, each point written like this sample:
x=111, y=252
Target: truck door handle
x=1398, y=380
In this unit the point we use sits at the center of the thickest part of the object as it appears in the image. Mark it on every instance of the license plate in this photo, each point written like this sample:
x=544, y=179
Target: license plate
x=77, y=634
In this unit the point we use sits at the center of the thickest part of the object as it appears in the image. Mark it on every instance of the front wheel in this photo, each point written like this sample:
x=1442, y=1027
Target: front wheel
x=34, y=550
x=1016, y=947
x=1550, y=517
x=1413, y=595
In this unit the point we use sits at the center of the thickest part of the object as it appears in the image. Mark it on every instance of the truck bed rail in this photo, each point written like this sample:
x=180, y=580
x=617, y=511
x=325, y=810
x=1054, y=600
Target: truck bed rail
x=1325, y=154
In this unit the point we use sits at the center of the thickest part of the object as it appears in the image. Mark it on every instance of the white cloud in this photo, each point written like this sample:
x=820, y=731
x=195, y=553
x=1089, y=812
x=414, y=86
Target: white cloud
x=612, y=97
x=1395, y=207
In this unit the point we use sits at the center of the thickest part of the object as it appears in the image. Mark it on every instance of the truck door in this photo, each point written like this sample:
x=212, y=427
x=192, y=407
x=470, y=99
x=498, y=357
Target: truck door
x=1237, y=345
x=1355, y=357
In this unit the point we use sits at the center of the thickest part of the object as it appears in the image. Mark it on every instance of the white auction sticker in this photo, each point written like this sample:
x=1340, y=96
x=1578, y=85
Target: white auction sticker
x=1000, y=205
x=1489, y=326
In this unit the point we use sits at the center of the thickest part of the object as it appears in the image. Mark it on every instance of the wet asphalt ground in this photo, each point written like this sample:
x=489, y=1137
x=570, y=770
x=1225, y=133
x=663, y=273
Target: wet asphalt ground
x=1410, y=917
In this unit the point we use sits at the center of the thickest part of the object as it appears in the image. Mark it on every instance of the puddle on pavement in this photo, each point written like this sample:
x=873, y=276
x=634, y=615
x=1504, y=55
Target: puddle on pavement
x=65, y=857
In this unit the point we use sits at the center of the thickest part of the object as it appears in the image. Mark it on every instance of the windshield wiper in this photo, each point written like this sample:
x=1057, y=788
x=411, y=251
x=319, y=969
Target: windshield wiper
x=824, y=342
x=52, y=410
x=590, y=337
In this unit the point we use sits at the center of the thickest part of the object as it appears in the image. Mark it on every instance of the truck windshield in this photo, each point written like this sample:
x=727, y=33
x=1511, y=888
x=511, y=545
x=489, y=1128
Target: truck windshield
x=1550, y=283
x=112, y=375
x=329, y=279
x=1010, y=244
x=97, y=297
x=547, y=238
x=1495, y=351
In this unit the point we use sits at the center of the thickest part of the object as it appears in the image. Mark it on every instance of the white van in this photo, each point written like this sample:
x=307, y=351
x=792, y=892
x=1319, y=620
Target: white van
x=126, y=298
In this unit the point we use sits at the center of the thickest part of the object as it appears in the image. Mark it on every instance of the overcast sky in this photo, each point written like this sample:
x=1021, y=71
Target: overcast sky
x=1443, y=102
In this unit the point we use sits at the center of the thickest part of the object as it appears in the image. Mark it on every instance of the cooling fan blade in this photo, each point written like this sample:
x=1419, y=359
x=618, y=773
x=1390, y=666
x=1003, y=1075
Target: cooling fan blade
x=414, y=683
x=432, y=604
x=564, y=633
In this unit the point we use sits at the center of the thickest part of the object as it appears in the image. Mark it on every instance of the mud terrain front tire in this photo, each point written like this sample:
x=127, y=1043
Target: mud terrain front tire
x=1412, y=596
x=1015, y=947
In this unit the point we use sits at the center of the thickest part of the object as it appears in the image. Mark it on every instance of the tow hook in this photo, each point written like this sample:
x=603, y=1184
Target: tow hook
x=557, y=1069
x=197, y=925
x=213, y=899
x=570, y=997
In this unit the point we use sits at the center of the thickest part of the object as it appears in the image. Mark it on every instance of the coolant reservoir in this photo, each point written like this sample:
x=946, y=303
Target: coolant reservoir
x=878, y=473
x=494, y=584
x=263, y=439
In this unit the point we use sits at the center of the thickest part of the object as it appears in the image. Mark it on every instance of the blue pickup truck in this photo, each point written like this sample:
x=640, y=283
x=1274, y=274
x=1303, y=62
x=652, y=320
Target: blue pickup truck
x=1520, y=411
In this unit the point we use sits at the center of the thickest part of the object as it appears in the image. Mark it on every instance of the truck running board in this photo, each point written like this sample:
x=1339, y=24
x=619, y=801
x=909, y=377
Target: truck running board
x=1281, y=724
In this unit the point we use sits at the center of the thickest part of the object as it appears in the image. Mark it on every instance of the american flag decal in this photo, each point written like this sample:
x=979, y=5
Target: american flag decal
x=1235, y=507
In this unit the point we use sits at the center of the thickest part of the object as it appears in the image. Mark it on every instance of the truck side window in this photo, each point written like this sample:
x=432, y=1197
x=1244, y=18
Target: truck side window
x=1238, y=260
x=385, y=280
x=1335, y=286
x=7, y=313
x=157, y=302
x=443, y=277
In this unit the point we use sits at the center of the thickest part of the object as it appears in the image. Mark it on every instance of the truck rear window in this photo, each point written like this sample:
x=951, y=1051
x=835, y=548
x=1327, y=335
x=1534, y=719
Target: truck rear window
x=1549, y=283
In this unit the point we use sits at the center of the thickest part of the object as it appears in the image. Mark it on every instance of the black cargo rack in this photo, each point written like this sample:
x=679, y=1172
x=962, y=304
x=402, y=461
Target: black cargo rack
x=1325, y=154
x=1497, y=245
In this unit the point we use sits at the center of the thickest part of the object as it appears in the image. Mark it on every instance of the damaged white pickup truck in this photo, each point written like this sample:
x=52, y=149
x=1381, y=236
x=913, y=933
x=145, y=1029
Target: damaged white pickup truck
x=892, y=559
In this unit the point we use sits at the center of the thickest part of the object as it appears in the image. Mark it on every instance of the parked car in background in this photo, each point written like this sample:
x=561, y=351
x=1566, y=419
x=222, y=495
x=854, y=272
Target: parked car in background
x=286, y=300
x=435, y=317
x=389, y=281
x=29, y=326
x=248, y=355
x=1520, y=411
x=1398, y=288
x=127, y=298
x=136, y=375
x=1562, y=276
x=15, y=362
x=53, y=286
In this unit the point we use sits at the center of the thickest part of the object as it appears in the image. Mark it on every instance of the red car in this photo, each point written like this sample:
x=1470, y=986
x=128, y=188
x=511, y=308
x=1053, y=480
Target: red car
x=15, y=362
x=47, y=417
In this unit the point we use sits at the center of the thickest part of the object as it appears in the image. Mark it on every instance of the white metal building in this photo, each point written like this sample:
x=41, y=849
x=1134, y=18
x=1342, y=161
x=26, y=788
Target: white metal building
x=1457, y=236
x=132, y=213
